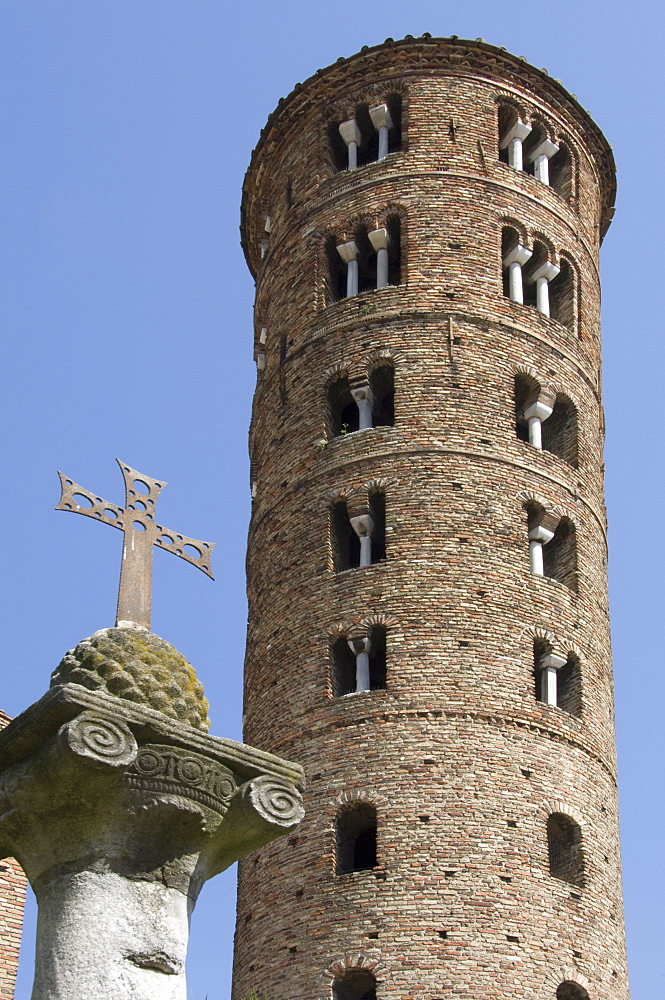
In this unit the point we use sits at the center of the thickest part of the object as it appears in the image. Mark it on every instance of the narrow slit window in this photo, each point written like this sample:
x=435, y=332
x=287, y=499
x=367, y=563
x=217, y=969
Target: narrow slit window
x=382, y=384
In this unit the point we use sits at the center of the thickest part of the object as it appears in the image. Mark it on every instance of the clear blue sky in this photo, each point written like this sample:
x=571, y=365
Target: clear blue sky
x=127, y=314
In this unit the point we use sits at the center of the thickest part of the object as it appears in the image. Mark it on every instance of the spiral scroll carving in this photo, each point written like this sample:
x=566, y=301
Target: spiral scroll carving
x=276, y=803
x=100, y=739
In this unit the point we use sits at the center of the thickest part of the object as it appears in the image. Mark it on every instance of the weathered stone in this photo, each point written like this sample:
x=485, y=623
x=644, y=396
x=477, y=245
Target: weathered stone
x=118, y=814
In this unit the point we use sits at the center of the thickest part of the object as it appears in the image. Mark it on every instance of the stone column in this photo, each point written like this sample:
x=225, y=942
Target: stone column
x=549, y=664
x=350, y=133
x=118, y=814
x=382, y=122
x=363, y=525
x=379, y=239
x=361, y=647
x=514, y=261
x=542, y=277
x=364, y=398
x=513, y=140
x=349, y=254
x=540, y=157
x=535, y=414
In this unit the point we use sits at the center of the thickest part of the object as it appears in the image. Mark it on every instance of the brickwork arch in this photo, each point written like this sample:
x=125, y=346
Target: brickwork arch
x=565, y=974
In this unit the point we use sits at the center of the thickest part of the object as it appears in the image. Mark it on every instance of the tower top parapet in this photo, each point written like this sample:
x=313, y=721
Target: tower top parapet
x=410, y=56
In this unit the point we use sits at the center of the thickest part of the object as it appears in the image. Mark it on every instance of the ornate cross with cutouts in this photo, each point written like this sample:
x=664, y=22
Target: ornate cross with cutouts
x=141, y=533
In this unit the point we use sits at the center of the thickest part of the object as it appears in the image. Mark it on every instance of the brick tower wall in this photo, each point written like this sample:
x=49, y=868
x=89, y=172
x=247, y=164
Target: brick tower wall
x=460, y=759
x=12, y=902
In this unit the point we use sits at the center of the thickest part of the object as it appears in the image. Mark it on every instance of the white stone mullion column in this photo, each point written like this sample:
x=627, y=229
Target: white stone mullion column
x=549, y=664
x=350, y=133
x=540, y=157
x=538, y=537
x=349, y=254
x=513, y=140
x=364, y=398
x=380, y=244
x=542, y=277
x=363, y=525
x=534, y=415
x=361, y=648
x=514, y=261
x=382, y=122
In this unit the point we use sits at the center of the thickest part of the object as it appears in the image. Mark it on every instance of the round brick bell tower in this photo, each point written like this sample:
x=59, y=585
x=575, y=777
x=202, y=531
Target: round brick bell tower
x=428, y=625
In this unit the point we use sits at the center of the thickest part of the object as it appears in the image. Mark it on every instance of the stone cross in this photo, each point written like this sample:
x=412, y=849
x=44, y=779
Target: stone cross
x=141, y=533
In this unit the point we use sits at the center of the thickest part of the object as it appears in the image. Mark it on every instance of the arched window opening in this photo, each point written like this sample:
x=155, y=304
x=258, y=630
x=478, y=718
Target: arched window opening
x=560, y=555
x=368, y=151
x=506, y=119
x=535, y=138
x=382, y=384
x=377, y=513
x=557, y=678
x=337, y=272
x=356, y=839
x=367, y=261
x=345, y=541
x=569, y=686
x=564, y=844
x=343, y=415
x=358, y=664
x=526, y=393
x=356, y=984
x=562, y=296
x=560, y=430
x=571, y=991
x=561, y=174
x=394, y=227
x=394, y=103
x=338, y=148
x=343, y=668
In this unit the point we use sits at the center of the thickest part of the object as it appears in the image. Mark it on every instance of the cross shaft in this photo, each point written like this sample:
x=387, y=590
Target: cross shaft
x=141, y=533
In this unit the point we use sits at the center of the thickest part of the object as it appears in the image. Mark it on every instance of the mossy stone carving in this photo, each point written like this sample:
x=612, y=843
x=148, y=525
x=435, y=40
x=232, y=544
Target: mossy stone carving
x=138, y=666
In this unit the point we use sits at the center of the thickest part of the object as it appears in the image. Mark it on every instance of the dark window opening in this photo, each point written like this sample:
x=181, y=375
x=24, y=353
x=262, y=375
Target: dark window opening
x=569, y=686
x=356, y=984
x=366, y=261
x=507, y=118
x=336, y=288
x=540, y=649
x=343, y=668
x=571, y=991
x=560, y=430
x=342, y=408
x=560, y=555
x=561, y=174
x=382, y=384
x=394, y=103
x=509, y=240
x=562, y=296
x=356, y=839
x=539, y=257
x=377, y=658
x=345, y=542
x=368, y=151
x=394, y=227
x=532, y=141
x=338, y=148
x=377, y=511
x=564, y=844
x=527, y=391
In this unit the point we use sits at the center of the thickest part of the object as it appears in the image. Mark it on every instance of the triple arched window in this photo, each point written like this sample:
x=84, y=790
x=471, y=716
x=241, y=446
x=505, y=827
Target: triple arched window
x=365, y=259
x=529, y=144
x=531, y=277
